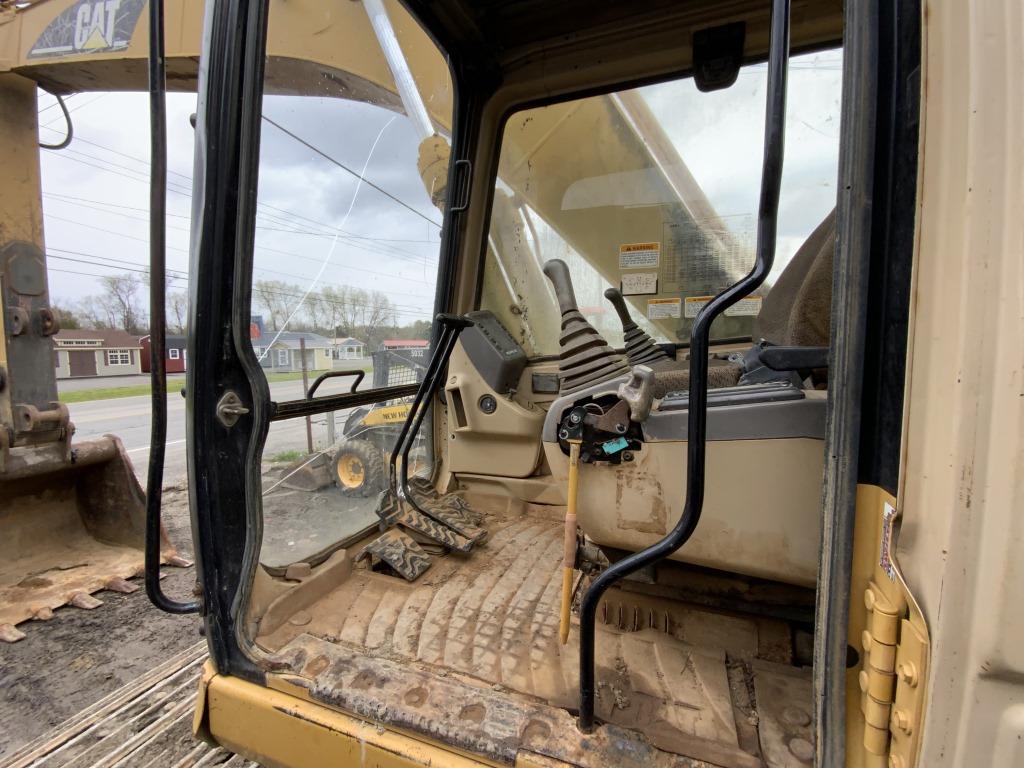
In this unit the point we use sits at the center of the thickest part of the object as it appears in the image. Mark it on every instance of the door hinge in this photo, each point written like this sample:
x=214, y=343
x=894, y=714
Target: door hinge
x=891, y=690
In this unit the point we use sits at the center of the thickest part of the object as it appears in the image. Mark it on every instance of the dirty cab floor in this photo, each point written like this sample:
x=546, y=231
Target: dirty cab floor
x=469, y=654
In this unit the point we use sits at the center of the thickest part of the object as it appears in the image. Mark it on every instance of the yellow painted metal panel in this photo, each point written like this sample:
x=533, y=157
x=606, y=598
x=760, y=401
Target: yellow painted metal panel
x=277, y=729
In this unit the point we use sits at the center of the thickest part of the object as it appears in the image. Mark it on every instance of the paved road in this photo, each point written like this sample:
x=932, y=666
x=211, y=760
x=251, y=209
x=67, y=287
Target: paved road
x=128, y=418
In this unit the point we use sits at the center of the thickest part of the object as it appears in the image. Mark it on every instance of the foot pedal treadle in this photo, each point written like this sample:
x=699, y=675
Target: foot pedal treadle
x=400, y=552
x=407, y=517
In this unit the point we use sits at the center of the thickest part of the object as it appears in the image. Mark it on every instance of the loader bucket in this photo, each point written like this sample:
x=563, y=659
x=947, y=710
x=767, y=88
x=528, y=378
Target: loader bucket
x=71, y=524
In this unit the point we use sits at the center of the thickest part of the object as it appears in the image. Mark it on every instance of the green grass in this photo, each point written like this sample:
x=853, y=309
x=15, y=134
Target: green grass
x=286, y=457
x=105, y=393
x=176, y=385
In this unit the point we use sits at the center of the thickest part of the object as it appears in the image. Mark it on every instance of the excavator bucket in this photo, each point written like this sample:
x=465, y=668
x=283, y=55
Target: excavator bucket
x=71, y=524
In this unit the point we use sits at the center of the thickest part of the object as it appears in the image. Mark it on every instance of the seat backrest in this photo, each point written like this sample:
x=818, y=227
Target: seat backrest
x=797, y=311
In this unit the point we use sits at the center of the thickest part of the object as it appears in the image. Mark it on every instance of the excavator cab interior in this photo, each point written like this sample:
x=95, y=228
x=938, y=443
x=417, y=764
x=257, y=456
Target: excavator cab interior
x=617, y=550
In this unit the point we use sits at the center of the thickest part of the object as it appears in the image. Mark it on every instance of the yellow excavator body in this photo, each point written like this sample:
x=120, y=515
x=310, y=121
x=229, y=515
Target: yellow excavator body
x=849, y=591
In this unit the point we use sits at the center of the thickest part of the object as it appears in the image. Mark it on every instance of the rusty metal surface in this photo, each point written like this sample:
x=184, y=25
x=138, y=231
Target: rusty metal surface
x=69, y=529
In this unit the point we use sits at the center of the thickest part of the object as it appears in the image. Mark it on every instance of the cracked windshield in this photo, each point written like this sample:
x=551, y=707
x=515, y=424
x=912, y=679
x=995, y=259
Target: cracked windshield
x=351, y=192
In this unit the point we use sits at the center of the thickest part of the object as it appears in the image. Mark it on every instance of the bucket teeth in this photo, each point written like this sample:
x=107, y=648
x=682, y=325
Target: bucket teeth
x=177, y=561
x=10, y=633
x=118, y=584
x=43, y=614
x=85, y=601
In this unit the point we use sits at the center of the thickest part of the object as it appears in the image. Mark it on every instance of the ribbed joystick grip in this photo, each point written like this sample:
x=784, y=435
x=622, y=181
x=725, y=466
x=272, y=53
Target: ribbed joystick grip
x=640, y=348
x=584, y=356
x=557, y=272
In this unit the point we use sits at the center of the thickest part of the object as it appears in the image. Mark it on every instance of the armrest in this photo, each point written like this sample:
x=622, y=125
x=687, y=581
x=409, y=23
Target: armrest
x=794, y=358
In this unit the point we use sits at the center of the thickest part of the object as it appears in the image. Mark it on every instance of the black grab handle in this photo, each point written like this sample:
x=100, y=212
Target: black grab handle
x=158, y=320
x=359, y=373
x=451, y=327
x=771, y=181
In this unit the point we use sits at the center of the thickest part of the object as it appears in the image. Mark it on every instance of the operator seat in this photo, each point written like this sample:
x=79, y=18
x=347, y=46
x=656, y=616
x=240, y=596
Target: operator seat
x=796, y=312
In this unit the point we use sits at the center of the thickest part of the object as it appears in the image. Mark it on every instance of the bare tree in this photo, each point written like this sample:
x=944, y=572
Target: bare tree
x=120, y=301
x=177, y=311
x=378, y=317
x=274, y=298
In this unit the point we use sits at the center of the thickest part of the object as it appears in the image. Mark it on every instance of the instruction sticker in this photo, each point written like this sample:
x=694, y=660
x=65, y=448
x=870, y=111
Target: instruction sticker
x=750, y=306
x=639, y=283
x=659, y=309
x=694, y=304
x=885, y=550
x=639, y=255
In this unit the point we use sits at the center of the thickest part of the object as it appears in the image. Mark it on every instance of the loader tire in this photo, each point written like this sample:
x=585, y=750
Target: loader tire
x=359, y=468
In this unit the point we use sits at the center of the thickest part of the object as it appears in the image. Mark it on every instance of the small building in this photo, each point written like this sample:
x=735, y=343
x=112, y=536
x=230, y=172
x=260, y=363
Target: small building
x=282, y=351
x=84, y=352
x=347, y=348
x=174, y=356
x=412, y=347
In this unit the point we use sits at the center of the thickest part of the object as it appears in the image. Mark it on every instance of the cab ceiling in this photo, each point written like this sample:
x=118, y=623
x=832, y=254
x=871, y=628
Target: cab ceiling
x=543, y=47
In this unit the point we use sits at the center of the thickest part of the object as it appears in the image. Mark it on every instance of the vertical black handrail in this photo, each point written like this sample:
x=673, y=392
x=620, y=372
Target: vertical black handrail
x=451, y=326
x=767, y=221
x=157, y=311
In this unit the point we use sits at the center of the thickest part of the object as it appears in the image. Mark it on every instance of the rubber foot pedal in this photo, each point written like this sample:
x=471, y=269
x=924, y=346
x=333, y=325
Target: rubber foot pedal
x=400, y=552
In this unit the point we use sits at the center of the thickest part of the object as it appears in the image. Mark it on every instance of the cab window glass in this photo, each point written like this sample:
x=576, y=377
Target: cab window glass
x=654, y=191
x=349, y=209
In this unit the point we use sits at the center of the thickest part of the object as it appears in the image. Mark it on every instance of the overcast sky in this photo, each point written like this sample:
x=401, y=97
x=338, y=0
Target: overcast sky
x=96, y=191
x=96, y=197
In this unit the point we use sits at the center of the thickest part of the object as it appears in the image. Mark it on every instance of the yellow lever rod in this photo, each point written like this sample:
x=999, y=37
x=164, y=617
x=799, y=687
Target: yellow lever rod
x=569, y=548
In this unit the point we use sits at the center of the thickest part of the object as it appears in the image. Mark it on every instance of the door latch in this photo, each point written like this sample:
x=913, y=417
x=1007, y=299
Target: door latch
x=230, y=409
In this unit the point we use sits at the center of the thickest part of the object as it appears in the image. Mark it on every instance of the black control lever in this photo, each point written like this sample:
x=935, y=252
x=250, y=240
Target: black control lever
x=640, y=347
x=451, y=327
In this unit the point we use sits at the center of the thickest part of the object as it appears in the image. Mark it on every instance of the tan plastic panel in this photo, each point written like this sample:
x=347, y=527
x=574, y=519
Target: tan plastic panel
x=762, y=513
x=961, y=541
x=505, y=443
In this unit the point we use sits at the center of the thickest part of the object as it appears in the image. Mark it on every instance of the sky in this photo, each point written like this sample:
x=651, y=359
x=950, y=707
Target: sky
x=318, y=226
x=95, y=196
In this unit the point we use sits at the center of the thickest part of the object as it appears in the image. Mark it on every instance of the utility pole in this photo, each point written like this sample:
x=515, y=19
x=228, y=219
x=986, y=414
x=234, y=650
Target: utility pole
x=305, y=389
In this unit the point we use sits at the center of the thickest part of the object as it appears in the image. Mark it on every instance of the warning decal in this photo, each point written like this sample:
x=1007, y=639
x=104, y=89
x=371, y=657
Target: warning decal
x=639, y=255
x=694, y=304
x=639, y=283
x=659, y=309
x=750, y=306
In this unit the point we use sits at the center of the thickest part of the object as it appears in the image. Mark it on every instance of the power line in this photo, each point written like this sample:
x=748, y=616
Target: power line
x=384, y=249
x=105, y=148
x=96, y=205
x=344, y=167
x=132, y=266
